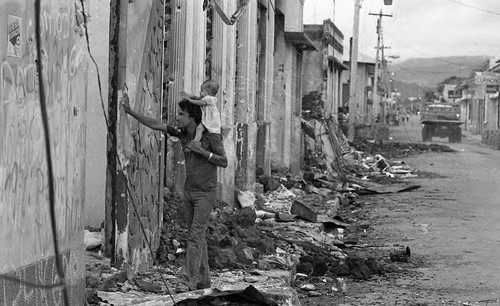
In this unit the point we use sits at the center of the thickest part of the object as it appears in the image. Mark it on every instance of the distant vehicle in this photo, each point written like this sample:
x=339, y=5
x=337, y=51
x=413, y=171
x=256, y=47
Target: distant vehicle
x=441, y=120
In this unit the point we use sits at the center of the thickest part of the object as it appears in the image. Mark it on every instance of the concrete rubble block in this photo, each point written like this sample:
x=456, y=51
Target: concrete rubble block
x=332, y=207
x=335, y=185
x=264, y=265
x=308, y=287
x=245, y=255
x=259, y=188
x=93, y=239
x=227, y=242
x=339, y=285
x=285, y=262
x=360, y=268
x=285, y=217
x=246, y=217
x=265, y=214
x=304, y=211
x=245, y=198
x=148, y=287
x=326, y=192
x=269, y=183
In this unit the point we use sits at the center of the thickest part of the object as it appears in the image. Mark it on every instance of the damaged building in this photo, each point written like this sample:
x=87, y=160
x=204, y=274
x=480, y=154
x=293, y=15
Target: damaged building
x=109, y=172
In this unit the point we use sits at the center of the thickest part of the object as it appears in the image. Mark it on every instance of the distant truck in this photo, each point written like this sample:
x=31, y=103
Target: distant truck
x=441, y=120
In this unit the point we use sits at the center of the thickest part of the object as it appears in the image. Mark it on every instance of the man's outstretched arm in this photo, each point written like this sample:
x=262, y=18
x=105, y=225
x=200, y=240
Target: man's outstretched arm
x=152, y=123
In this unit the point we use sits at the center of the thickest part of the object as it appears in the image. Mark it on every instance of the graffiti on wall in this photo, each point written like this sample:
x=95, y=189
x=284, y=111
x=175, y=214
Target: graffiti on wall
x=24, y=222
x=44, y=272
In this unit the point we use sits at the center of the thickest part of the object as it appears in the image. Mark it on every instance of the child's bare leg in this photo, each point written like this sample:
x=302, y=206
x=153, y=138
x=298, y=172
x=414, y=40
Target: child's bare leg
x=199, y=132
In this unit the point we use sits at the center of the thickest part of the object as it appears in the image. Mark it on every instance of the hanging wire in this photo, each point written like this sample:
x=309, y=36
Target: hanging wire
x=50, y=172
x=48, y=153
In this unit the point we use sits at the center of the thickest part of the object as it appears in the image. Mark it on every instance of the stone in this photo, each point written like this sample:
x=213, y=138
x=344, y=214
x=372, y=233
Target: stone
x=259, y=188
x=264, y=265
x=269, y=183
x=308, y=287
x=148, y=287
x=304, y=211
x=246, y=217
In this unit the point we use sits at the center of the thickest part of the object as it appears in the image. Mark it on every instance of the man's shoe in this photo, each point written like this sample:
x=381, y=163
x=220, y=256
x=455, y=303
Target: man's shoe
x=181, y=287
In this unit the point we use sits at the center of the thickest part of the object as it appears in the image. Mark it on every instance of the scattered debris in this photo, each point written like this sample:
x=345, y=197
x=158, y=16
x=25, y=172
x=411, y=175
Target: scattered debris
x=93, y=239
x=300, y=235
x=401, y=254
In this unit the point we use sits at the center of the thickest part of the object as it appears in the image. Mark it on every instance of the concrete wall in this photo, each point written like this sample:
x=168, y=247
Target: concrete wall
x=286, y=105
x=246, y=97
x=25, y=231
x=139, y=184
x=224, y=72
x=313, y=72
x=293, y=10
x=95, y=180
x=279, y=109
x=296, y=152
x=320, y=72
x=141, y=147
x=491, y=113
x=477, y=119
x=361, y=108
x=265, y=85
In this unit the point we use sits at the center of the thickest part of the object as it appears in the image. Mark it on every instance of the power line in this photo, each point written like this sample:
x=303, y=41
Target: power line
x=475, y=7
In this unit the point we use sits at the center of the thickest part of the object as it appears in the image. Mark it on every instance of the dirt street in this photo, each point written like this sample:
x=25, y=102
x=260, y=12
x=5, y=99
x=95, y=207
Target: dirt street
x=451, y=224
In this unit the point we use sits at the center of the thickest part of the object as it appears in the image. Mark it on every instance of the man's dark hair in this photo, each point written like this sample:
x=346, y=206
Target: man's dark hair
x=193, y=110
x=211, y=86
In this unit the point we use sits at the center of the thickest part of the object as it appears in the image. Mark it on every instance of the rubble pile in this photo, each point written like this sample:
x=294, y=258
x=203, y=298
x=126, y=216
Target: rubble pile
x=397, y=149
x=295, y=233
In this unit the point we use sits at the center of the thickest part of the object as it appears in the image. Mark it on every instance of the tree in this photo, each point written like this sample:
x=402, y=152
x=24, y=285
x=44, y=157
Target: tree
x=429, y=95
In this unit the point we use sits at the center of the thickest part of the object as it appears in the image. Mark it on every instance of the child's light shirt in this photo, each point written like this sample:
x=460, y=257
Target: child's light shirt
x=210, y=115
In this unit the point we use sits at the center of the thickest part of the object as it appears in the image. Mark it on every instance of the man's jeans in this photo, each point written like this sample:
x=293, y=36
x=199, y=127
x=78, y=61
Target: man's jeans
x=198, y=206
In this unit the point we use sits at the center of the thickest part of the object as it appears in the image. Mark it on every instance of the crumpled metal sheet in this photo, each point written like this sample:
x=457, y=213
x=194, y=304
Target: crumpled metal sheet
x=268, y=291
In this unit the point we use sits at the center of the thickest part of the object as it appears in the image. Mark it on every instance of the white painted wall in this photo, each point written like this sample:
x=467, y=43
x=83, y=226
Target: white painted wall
x=95, y=181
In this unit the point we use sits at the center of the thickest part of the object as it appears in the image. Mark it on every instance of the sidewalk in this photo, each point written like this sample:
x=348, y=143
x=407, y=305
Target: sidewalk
x=470, y=136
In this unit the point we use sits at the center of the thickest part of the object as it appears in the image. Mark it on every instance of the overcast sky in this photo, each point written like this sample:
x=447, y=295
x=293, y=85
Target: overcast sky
x=418, y=28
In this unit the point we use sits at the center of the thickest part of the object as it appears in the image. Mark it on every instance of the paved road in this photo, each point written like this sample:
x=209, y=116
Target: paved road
x=452, y=224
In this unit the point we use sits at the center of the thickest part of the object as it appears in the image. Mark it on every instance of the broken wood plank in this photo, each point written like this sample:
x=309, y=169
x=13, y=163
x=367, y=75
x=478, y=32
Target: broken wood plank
x=375, y=188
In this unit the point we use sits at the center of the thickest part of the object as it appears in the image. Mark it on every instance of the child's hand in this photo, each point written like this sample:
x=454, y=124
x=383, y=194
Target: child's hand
x=184, y=95
x=195, y=146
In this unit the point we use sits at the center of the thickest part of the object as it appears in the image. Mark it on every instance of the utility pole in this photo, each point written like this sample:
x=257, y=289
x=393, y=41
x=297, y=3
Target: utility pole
x=353, y=107
x=377, y=109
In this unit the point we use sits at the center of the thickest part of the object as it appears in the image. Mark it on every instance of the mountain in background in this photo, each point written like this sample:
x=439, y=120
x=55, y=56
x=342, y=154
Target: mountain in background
x=429, y=72
x=408, y=90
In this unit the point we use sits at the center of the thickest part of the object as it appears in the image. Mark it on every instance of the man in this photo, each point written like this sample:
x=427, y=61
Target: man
x=202, y=159
x=342, y=120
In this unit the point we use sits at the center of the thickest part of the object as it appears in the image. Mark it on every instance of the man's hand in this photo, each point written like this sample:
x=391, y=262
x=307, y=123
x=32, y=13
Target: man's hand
x=125, y=101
